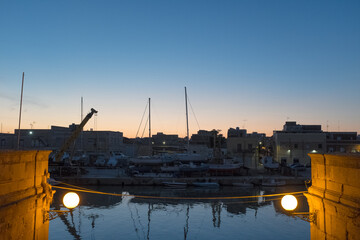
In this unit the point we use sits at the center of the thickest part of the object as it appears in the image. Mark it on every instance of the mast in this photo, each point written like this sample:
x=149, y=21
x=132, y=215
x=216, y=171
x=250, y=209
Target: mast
x=149, y=125
x=82, y=118
x=22, y=87
x=187, y=122
x=81, y=109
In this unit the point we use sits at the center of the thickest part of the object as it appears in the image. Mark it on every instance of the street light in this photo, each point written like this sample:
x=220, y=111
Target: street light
x=71, y=200
x=289, y=203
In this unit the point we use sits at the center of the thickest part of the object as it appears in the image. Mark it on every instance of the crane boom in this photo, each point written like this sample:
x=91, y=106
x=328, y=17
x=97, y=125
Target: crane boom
x=74, y=135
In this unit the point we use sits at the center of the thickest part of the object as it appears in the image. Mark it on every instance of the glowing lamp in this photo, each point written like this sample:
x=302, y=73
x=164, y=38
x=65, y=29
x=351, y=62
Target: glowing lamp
x=71, y=200
x=289, y=202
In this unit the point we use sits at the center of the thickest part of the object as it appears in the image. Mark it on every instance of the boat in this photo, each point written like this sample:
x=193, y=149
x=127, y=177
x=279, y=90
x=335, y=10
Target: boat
x=190, y=157
x=268, y=163
x=175, y=184
x=273, y=183
x=193, y=168
x=151, y=160
x=174, y=168
x=206, y=184
x=153, y=175
x=224, y=167
x=243, y=184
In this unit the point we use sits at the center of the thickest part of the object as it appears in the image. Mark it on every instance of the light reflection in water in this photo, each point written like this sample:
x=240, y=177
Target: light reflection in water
x=112, y=217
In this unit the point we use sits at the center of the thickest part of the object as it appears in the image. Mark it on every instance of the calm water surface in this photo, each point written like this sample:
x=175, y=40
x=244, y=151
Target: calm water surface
x=112, y=217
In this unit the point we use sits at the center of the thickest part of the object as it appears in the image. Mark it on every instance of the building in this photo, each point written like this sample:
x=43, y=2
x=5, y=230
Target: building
x=343, y=142
x=55, y=137
x=245, y=146
x=7, y=141
x=204, y=137
x=295, y=141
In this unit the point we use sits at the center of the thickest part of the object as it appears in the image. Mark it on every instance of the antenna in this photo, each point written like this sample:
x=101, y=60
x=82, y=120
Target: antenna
x=244, y=121
x=327, y=125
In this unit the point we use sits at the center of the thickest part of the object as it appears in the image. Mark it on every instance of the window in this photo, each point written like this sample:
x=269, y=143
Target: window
x=320, y=146
x=238, y=148
x=295, y=145
x=250, y=146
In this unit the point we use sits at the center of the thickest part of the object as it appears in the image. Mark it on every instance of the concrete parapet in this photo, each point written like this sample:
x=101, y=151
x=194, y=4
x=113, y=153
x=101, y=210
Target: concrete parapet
x=334, y=196
x=25, y=195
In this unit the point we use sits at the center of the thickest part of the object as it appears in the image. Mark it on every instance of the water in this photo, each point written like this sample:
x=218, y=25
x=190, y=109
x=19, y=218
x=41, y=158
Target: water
x=112, y=217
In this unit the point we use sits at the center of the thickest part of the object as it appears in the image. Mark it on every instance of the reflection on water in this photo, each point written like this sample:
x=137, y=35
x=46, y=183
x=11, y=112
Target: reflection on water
x=110, y=217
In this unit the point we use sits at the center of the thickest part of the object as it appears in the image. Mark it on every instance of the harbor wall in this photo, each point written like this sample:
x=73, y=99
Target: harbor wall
x=334, y=197
x=25, y=195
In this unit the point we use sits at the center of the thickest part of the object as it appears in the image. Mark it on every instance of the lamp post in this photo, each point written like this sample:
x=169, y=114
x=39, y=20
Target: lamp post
x=289, y=203
x=71, y=200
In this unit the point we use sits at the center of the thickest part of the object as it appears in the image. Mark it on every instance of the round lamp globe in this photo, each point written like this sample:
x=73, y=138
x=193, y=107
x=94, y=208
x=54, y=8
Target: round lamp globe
x=289, y=202
x=71, y=200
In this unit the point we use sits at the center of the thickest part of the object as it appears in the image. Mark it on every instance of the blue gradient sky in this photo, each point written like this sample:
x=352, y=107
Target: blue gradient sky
x=252, y=64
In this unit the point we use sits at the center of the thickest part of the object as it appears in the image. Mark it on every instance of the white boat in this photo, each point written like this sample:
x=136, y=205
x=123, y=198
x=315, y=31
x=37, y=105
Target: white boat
x=224, y=167
x=190, y=157
x=151, y=160
x=206, y=184
x=193, y=168
x=269, y=163
x=243, y=184
x=273, y=183
x=174, y=184
x=154, y=175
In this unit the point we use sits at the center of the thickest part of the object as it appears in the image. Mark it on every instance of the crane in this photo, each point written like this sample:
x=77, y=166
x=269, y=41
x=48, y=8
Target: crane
x=73, y=136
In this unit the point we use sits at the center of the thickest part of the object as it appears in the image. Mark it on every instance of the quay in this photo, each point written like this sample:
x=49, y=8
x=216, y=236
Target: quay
x=157, y=181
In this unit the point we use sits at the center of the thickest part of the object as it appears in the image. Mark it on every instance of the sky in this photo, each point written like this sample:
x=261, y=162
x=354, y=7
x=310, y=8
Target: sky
x=245, y=63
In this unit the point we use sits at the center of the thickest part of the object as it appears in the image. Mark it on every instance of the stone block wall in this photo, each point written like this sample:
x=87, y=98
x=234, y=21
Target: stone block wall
x=334, y=196
x=24, y=194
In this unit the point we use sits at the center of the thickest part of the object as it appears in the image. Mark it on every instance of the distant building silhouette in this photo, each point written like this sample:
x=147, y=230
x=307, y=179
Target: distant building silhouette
x=295, y=141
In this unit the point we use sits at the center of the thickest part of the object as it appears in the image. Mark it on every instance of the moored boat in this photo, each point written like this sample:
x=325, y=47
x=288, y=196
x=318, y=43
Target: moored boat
x=174, y=184
x=224, y=167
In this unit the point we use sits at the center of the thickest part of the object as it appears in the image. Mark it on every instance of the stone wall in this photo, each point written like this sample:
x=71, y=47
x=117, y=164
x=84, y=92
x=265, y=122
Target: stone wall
x=334, y=197
x=25, y=195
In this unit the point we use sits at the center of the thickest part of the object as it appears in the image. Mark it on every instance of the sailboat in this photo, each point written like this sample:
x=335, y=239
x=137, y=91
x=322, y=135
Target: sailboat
x=188, y=160
x=220, y=165
x=153, y=160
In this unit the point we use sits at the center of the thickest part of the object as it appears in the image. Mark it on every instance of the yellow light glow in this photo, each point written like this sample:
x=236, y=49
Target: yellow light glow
x=71, y=200
x=289, y=202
